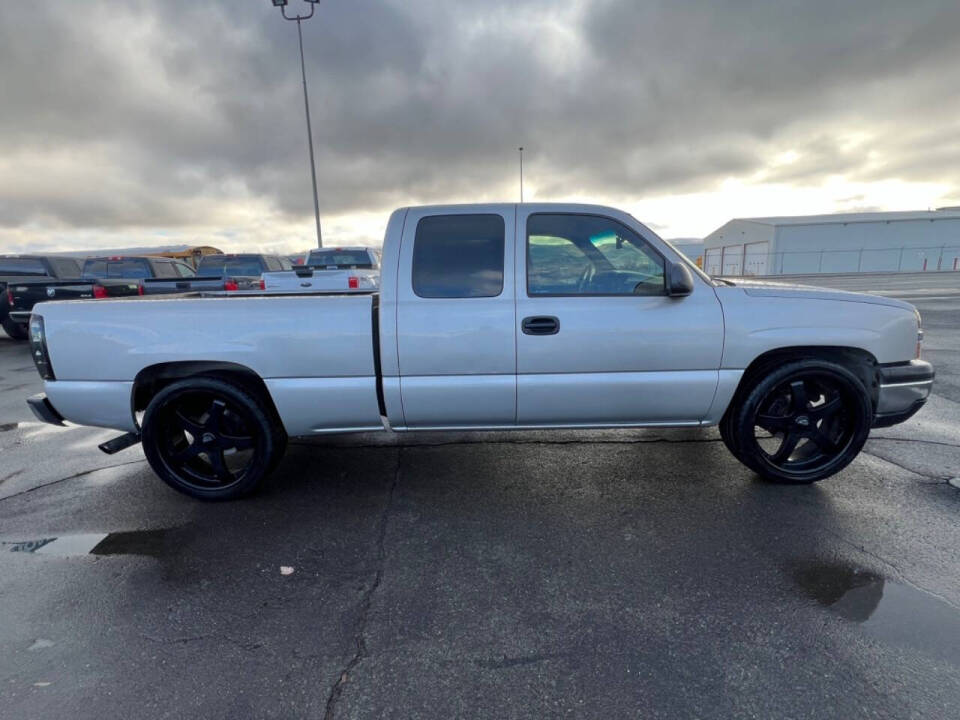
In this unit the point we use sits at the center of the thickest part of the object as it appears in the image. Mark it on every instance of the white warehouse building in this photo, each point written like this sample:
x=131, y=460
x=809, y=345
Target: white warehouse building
x=842, y=243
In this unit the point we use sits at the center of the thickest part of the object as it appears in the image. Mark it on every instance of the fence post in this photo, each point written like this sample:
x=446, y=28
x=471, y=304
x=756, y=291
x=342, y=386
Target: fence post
x=900, y=261
x=860, y=260
x=940, y=259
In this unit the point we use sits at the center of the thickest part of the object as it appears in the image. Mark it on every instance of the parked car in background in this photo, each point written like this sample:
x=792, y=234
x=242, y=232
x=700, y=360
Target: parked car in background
x=162, y=276
x=24, y=296
x=16, y=269
x=342, y=268
x=490, y=317
x=242, y=265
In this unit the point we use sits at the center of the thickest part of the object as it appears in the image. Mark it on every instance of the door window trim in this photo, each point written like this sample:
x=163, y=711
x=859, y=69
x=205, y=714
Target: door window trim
x=526, y=250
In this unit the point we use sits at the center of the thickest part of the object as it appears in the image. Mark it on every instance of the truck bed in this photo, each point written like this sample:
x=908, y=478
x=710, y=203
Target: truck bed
x=314, y=352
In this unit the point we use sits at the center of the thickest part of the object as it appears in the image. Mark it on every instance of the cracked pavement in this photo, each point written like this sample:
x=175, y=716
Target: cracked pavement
x=582, y=574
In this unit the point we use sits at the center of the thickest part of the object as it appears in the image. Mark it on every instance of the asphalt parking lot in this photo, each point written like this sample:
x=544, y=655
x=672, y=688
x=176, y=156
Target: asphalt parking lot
x=583, y=574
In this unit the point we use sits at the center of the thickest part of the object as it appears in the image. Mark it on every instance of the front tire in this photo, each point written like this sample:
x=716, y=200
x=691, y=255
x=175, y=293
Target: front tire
x=799, y=423
x=15, y=330
x=210, y=439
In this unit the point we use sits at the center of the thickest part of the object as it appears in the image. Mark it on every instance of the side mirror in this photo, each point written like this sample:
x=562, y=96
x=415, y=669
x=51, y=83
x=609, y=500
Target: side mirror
x=679, y=280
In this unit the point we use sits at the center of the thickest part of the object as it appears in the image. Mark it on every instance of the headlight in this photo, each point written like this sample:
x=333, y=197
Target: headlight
x=38, y=348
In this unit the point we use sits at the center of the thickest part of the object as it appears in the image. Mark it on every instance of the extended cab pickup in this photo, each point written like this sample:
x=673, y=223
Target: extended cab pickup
x=488, y=317
x=16, y=269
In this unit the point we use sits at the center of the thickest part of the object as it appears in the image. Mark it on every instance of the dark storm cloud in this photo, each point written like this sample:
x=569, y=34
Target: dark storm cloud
x=160, y=113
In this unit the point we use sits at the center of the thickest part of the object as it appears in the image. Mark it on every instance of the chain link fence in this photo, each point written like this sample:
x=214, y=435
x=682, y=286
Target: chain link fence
x=746, y=262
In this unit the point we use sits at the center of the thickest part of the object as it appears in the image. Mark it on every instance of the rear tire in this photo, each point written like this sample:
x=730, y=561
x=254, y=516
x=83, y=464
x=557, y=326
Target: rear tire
x=15, y=330
x=211, y=439
x=800, y=422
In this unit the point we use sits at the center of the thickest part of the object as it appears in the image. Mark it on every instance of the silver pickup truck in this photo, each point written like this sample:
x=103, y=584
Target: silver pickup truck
x=488, y=317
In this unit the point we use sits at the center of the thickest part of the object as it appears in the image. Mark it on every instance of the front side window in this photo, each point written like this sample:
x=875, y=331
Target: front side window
x=458, y=256
x=589, y=255
x=184, y=270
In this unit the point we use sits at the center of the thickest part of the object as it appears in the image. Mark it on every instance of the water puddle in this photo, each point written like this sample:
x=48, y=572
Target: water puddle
x=892, y=612
x=150, y=543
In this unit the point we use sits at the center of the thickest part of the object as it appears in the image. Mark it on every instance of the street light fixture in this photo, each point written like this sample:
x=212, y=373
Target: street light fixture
x=282, y=4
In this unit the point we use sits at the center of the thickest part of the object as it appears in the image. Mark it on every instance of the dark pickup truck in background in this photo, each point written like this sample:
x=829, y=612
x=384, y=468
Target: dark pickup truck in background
x=163, y=276
x=15, y=269
x=22, y=297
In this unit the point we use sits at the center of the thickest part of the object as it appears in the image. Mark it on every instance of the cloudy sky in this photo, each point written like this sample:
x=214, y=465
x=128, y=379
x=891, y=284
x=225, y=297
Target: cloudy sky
x=168, y=121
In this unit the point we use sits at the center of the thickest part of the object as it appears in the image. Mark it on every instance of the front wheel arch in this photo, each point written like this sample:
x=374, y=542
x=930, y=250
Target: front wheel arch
x=860, y=362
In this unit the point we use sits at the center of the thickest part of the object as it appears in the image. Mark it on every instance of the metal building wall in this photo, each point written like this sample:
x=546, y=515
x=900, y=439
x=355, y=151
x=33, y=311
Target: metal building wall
x=876, y=246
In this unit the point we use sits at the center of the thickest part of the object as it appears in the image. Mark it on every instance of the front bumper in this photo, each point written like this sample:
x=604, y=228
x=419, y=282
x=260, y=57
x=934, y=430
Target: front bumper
x=44, y=410
x=904, y=389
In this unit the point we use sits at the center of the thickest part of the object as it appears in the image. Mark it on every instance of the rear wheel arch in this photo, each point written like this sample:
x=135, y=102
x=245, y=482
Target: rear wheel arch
x=151, y=380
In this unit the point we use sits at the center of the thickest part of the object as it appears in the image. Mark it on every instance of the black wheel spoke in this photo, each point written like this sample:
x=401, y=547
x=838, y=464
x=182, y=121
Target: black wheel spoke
x=191, y=426
x=188, y=453
x=798, y=390
x=237, y=442
x=215, y=415
x=827, y=410
x=219, y=464
x=822, y=441
x=786, y=448
x=774, y=423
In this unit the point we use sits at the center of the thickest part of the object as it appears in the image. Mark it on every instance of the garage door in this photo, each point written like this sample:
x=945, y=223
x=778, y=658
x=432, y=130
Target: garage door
x=755, y=258
x=733, y=260
x=712, y=261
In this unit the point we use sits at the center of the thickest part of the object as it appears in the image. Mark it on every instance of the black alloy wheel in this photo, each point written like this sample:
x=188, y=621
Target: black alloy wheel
x=801, y=423
x=210, y=439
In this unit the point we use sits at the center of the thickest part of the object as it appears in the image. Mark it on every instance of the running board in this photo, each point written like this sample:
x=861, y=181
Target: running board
x=122, y=442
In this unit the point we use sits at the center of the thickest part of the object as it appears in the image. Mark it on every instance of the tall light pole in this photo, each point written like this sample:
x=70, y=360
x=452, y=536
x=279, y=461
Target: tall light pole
x=282, y=4
x=521, y=173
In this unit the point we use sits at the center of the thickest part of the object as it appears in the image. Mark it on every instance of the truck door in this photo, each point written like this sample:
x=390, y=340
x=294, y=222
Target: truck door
x=599, y=342
x=456, y=315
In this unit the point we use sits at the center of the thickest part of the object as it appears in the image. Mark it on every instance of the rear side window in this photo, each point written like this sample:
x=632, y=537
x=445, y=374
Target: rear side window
x=163, y=269
x=458, y=256
x=21, y=266
x=127, y=269
x=65, y=267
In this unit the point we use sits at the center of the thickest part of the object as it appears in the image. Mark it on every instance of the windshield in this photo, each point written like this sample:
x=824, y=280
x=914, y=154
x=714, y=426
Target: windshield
x=230, y=266
x=335, y=258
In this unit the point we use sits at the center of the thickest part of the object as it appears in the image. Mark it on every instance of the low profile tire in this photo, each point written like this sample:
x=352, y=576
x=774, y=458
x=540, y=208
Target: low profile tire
x=210, y=439
x=800, y=422
x=15, y=330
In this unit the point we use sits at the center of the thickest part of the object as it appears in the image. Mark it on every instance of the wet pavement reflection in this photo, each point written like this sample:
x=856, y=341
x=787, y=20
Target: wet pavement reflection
x=150, y=543
x=888, y=610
